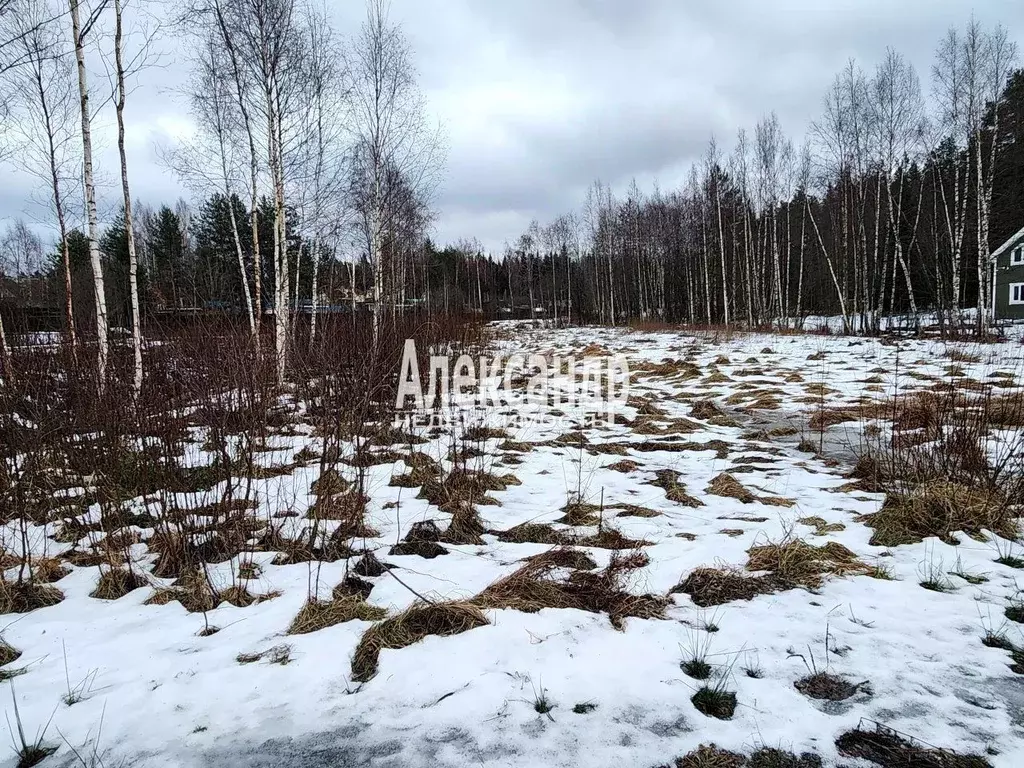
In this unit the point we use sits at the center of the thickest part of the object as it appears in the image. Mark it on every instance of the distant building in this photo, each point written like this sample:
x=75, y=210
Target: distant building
x=1008, y=279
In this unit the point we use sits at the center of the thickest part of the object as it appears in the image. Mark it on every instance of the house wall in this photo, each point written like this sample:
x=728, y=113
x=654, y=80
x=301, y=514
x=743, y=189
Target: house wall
x=1006, y=275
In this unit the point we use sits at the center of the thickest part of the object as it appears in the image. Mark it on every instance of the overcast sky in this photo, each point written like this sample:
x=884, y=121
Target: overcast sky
x=541, y=97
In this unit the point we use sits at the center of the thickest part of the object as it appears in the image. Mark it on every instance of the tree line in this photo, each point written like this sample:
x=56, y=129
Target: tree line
x=313, y=165
x=892, y=205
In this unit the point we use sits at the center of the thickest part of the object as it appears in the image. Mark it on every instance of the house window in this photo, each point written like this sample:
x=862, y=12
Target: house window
x=1017, y=293
x=1017, y=255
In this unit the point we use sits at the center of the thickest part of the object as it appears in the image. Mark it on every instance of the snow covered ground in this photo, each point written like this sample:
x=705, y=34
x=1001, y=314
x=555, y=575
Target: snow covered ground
x=152, y=690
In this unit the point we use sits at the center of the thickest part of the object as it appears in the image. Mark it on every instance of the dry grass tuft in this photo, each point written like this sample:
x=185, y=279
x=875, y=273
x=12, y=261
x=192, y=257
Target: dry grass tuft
x=770, y=757
x=711, y=413
x=797, y=562
x=115, y=583
x=633, y=510
x=710, y=756
x=716, y=377
x=624, y=466
x=821, y=526
x=941, y=508
x=192, y=590
x=320, y=614
x=425, y=549
x=534, y=533
x=886, y=747
x=25, y=596
x=8, y=653
x=959, y=356
x=538, y=585
x=515, y=446
x=580, y=513
x=480, y=433
x=330, y=483
x=717, y=586
x=461, y=488
x=279, y=654
x=47, y=570
x=410, y=626
x=465, y=527
x=369, y=565
x=563, y=557
x=678, y=370
x=826, y=686
x=668, y=480
x=609, y=538
x=728, y=486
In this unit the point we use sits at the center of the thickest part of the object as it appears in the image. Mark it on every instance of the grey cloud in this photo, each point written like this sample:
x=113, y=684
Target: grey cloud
x=541, y=98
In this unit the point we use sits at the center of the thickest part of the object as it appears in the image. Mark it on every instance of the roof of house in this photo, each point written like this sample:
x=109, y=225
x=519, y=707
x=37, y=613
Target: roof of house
x=1008, y=244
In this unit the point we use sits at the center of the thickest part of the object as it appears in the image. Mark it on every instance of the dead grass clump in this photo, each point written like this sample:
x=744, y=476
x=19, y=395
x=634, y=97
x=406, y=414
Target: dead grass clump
x=8, y=653
x=564, y=557
x=821, y=526
x=940, y=508
x=25, y=596
x=679, y=370
x=465, y=528
x=528, y=589
x=728, y=486
x=366, y=457
x=320, y=614
x=192, y=590
x=717, y=586
x=238, y=596
x=115, y=583
x=959, y=356
x=413, y=624
x=889, y=749
x=580, y=513
x=534, y=533
x=279, y=654
x=515, y=446
x=770, y=757
x=423, y=530
x=480, y=433
x=406, y=480
x=330, y=483
x=711, y=413
x=609, y=538
x=826, y=686
x=829, y=417
x=633, y=510
x=352, y=586
x=776, y=501
x=625, y=466
x=710, y=756
x=461, y=488
x=668, y=480
x=538, y=585
x=1004, y=411
x=720, y=447
x=47, y=570
x=347, y=506
x=425, y=549
x=369, y=565
x=646, y=407
x=797, y=562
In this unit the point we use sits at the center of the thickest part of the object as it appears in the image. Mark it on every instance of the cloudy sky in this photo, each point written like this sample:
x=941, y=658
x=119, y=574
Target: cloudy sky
x=539, y=98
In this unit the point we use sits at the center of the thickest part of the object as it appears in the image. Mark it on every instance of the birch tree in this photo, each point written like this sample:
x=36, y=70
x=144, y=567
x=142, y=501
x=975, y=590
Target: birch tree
x=80, y=29
x=44, y=120
x=390, y=131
